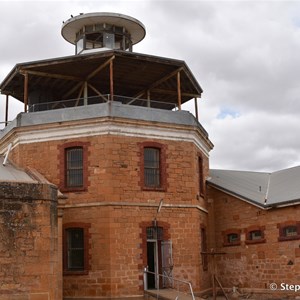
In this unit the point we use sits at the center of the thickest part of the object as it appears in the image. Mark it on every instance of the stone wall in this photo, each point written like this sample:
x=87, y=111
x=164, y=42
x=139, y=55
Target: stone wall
x=29, y=260
x=254, y=266
x=114, y=204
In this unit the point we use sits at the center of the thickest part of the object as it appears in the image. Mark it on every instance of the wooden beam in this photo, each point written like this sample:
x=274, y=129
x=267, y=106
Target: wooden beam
x=154, y=84
x=111, y=80
x=179, y=90
x=6, y=110
x=72, y=90
x=100, y=68
x=79, y=95
x=97, y=92
x=51, y=75
x=25, y=91
x=148, y=99
x=85, y=93
x=196, y=109
x=174, y=93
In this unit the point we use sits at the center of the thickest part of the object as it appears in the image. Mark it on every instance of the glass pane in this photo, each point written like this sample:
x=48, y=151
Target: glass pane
x=74, y=170
x=151, y=157
x=79, y=46
x=75, y=248
x=151, y=167
x=109, y=40
x=255, y=235
x=154, y=233
x=233, y=237
x=290, y=231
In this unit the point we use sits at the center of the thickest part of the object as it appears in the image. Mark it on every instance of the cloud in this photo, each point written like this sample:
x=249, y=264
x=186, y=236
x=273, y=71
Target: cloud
x=245, y=55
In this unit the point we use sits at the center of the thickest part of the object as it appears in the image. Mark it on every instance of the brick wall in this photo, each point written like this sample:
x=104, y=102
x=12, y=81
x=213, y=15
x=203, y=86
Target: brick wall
x=29, y=259
x=118, y=249
x=253, y=266
x=113, y=165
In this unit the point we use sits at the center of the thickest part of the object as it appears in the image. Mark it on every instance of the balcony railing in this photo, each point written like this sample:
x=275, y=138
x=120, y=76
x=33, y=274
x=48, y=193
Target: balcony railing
x=101, y=99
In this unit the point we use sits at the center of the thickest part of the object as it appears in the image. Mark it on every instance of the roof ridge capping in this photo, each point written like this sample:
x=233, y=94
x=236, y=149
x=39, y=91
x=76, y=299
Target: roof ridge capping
x=262, y=189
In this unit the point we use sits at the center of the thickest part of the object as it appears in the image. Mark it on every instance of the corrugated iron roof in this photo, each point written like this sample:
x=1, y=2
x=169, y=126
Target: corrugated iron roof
x=10, y=173
x=263, y=189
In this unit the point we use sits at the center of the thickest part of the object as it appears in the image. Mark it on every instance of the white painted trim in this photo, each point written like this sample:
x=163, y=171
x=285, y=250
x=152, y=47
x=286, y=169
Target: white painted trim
x=94, y=204
x=105, y=128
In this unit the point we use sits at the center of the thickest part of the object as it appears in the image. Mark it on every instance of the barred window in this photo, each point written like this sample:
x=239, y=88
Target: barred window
x=290, y=231
x=151, y=167
x=233, y=238
x=74, y=167
x=154, y=233
x=75, y=244
x=255, y=235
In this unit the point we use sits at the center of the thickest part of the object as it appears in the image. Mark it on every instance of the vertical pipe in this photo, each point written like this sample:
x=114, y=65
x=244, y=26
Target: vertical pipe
x=196, y=109
x=25, y=91
x=85, y=94
x=111, y=80
x=145, y=279
x=6, y=110
x=179, y=90
x=148, y=99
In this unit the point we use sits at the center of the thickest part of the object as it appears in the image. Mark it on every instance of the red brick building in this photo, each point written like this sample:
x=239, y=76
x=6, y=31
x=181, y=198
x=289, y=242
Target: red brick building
x=106, y=127
x=254, y=220
x=113, y=177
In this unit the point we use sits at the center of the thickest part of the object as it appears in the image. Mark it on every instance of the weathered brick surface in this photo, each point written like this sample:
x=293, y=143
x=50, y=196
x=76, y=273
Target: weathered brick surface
x=117, y=254
x=254, y=266
x=28, y=248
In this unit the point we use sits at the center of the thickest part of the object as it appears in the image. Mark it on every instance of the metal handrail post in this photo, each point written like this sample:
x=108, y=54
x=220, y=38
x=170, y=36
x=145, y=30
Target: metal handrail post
x=145, y=278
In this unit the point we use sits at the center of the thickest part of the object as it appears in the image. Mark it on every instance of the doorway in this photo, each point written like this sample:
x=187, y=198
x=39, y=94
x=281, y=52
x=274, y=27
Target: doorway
x=154, y=256
x=152, y=261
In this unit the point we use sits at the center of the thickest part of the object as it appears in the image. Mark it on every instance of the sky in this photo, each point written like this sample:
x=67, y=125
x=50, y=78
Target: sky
x=244, y=54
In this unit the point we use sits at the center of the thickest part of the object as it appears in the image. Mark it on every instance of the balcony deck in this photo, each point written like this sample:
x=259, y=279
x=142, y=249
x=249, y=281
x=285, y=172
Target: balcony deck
x=110, y=109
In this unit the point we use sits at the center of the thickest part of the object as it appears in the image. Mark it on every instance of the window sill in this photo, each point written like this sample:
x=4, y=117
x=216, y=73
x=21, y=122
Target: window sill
x=84, y=272
x=73, y=190
x=232, y=244
x=154, y=189
x=288, y=238
x=258, y=241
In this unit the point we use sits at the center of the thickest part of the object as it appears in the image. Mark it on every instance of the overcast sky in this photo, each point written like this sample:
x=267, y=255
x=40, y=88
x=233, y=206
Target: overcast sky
x=244, y=54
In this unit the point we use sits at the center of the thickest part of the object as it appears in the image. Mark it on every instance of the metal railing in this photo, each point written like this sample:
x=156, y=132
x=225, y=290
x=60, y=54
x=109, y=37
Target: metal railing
x=101, y=99
x=173, y=283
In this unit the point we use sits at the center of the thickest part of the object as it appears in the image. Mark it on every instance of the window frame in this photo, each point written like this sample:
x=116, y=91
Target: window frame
x=154, y=166
x=69, y=169
x=62, y=166
x=282, y=231
x=252, y=229
x=86, y=247
x=162, y=166
x=227, y=233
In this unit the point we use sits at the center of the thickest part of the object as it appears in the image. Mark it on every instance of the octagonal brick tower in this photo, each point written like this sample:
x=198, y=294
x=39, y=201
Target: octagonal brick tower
x=106, y=127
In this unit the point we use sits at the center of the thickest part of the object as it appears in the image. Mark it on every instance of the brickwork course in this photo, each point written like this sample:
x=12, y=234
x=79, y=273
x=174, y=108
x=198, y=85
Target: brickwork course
x=92, y=236
x=115, y=206
x=254, y=267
